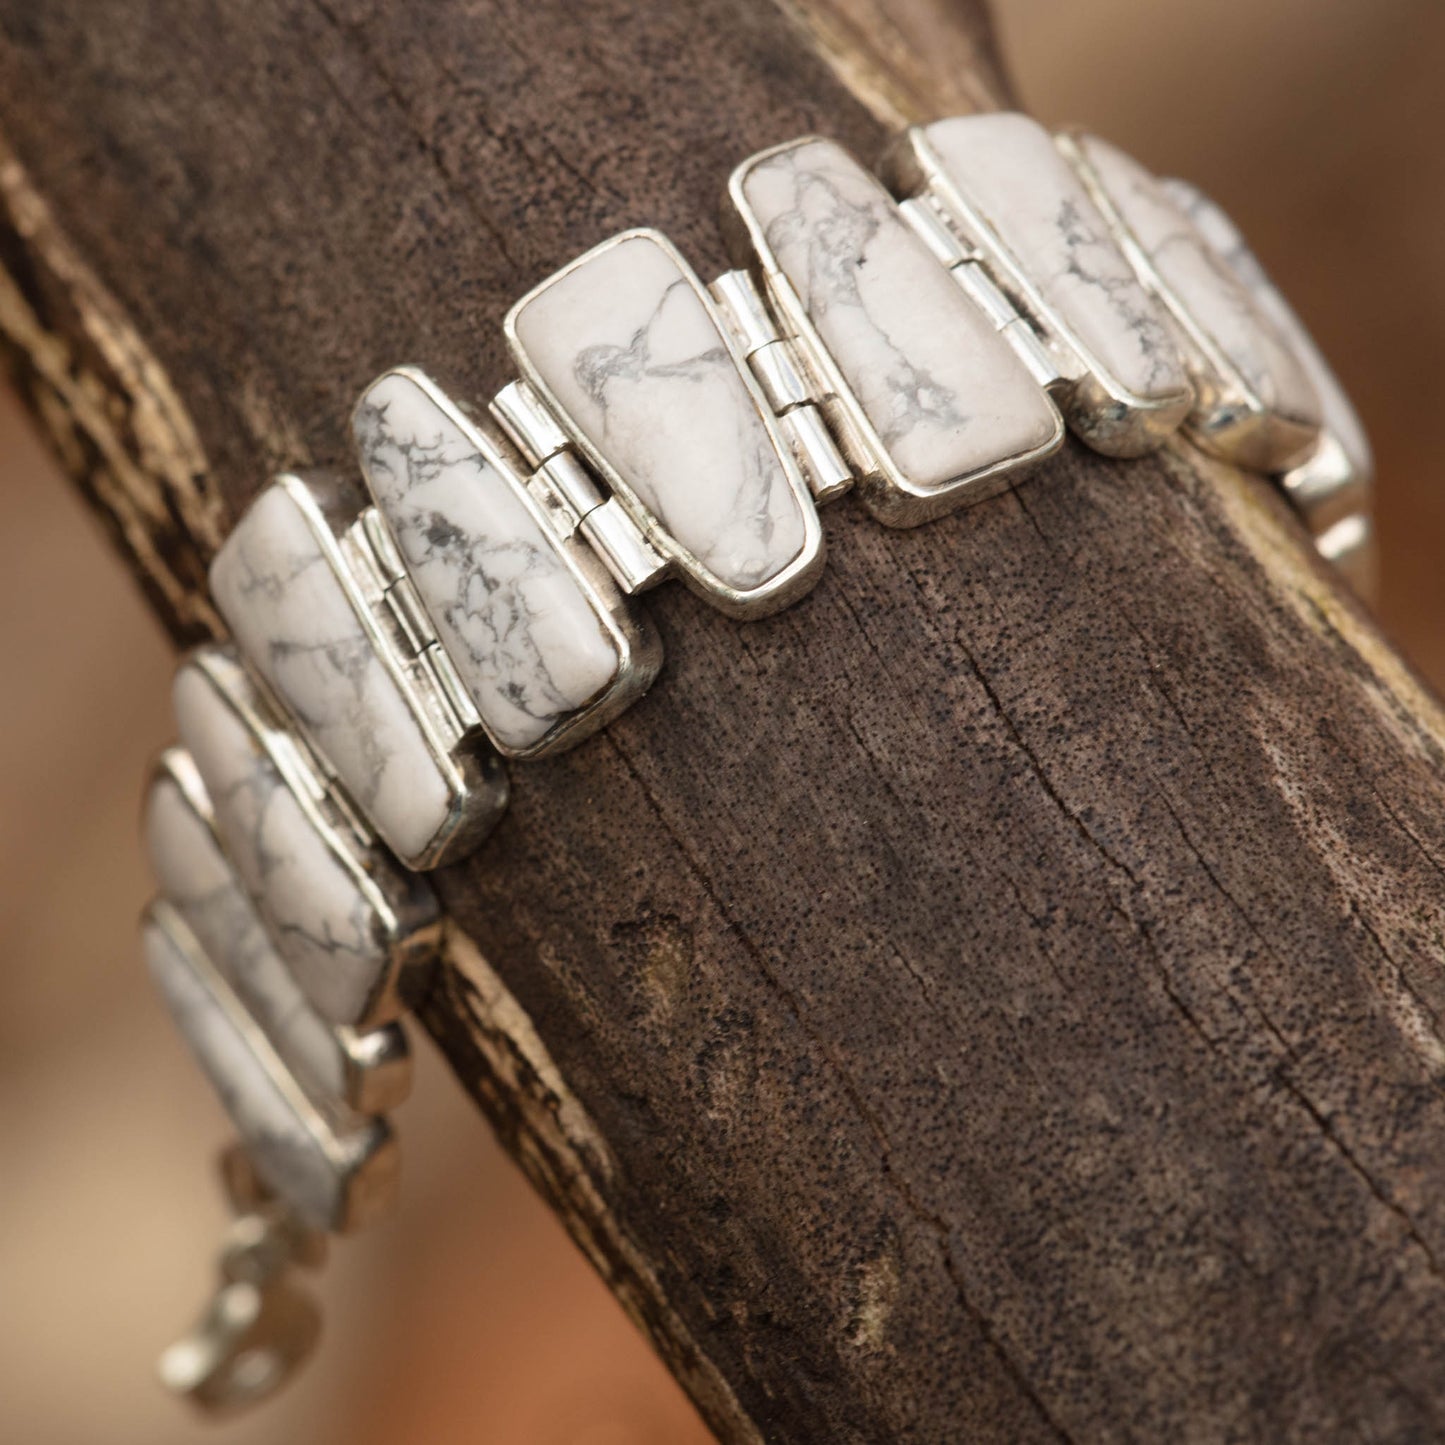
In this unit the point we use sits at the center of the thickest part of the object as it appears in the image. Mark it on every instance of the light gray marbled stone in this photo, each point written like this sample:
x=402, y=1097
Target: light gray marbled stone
x=275, y=582
x=1276, y=421
x=1341, y=420
x=286, y=1155
x=342, y=916
x=198, y=882
x=945, y=394
x=520, y=627
x=287, y=1151
x=625, y=344
x=1007, y=170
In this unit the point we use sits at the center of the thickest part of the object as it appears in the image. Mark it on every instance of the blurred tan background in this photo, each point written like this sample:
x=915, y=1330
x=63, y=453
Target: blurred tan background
x=469, y=1318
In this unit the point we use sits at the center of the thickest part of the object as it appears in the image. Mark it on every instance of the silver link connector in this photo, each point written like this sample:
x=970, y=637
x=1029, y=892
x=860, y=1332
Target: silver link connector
x=779, y=376
x=1035, y=355
x=572, y=483
x=383, y=549
x=985, y=293
x=744, y=311
x=828, y=475
x=629, y=556
x=406, y=606
x=525, y=419
x=934, y=232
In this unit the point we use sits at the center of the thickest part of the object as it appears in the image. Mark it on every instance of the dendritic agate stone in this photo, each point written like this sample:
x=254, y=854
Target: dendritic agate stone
x=1004, y=180
x=332, y=1172
x=625, y=345
x=946, y=398
x=197, y=881
x=344, y=917
x=527, y=635
x=1321, y=481
x=279, y=582
x=1255, y=404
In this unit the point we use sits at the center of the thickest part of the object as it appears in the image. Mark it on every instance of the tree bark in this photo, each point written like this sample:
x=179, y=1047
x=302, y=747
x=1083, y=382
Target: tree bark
x=998, y=998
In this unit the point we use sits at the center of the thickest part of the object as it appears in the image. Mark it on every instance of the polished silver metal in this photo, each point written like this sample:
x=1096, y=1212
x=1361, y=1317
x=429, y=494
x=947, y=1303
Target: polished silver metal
x=577, y=547
x=791, y=387
x=533, y=429
x=570, y=493
x=828, y=475
x=259, y=1244
x=745, y=311
x=350, y=1160
x=250, y=1341
x=636, y=543
x=258, y=1328
x=392, y=912
x=368, y=1071
x=976, y=281
x=626, y=549
x=921, y=212
x=780, y=377
x=1100, y=408
x=468, y=770
x=893, y=497
x=398, y=611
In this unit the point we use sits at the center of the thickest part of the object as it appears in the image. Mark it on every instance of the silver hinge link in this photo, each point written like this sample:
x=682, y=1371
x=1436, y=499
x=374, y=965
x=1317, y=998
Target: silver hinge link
x=570, y=495
x=779, y=365
x=377, y=566
x=966, y=264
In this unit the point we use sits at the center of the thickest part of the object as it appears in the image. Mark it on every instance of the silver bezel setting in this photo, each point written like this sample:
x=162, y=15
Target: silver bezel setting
x=634, y=639
x=470, y=767
x=1105, y=413
x=890, y=496
x=376, y=1062
x=787, y=585
x=1229, y=420
x=410, y=926
x=361, y=1151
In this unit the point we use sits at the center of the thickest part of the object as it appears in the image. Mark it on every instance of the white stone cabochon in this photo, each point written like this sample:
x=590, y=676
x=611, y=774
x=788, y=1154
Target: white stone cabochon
x=197, y=881
x=1204, y=285
x=290, y=615
x=1340, y=417
x=946, y=394
x=1008, y=167
x=520, y=628
x=321, y=917
x=286, y=1154
x=630, y=351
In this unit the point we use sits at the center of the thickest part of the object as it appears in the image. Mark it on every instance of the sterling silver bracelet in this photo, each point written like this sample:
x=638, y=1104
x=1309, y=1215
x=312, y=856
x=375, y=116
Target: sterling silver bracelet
x=926, y=339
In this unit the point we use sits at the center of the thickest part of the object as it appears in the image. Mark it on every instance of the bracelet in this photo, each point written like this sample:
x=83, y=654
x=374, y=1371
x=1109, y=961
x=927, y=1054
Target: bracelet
x=926, y=339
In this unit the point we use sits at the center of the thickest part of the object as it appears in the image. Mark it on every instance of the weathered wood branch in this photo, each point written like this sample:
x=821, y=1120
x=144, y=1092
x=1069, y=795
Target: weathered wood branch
x=997, y=999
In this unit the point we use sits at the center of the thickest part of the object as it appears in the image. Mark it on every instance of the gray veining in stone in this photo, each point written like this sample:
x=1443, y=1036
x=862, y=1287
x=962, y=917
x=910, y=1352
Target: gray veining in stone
x=1209, y=298
x=198, y=882
x=945, y=393
x=287, y=1155
x=626, y=345
x=336, y=913
x=1341, y=419
x=521, y=629
x=276, y=587
x=1007, y=168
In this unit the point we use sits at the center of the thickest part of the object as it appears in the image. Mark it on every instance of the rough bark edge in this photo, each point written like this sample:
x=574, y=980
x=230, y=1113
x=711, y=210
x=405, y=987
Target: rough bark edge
x=497, y=1054
x=107, y=409
x=880, y=52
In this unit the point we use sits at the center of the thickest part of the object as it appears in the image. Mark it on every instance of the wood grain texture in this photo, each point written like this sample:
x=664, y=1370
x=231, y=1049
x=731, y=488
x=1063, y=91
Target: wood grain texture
x=998, y=998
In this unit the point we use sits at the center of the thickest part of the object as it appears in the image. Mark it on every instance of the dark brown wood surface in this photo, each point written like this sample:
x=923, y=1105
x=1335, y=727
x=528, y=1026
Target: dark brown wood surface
x=997, y=999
